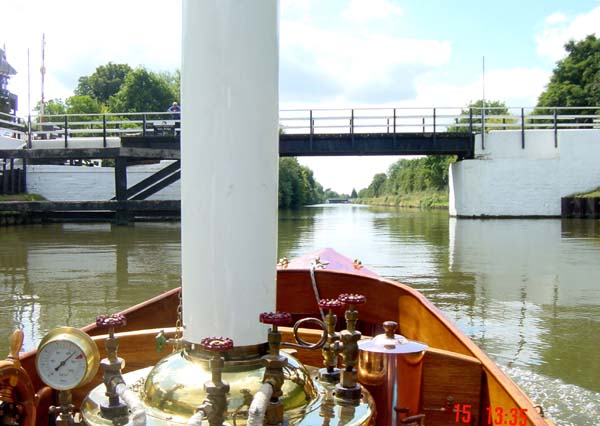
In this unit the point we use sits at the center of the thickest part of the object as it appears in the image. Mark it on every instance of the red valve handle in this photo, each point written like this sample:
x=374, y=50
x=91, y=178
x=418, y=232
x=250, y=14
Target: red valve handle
x=352, y=299
x=216, y=344
x=113, y=320
x=275, y=318
x=330, y=303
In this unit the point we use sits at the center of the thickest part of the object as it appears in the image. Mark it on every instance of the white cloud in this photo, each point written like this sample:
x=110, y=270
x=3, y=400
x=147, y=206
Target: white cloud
x=516, y=87
x=558, y=30
x=356, y=61
x=362, y=11
x=80, y=37
x=556, y=18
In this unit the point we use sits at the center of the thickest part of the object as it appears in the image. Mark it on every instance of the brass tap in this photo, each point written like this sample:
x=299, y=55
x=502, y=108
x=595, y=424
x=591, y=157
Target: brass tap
x=64, y=411
x=332, y=347
x=348, y=387
x=274, y=365
x=214, y=406
x=112, y=366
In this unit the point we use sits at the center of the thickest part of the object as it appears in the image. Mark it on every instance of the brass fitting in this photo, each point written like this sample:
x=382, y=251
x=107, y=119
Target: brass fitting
x=214, y=406
x=111, y=367
x=64, y=412
x=274, y=365
x=331, y=349
x=348, y=388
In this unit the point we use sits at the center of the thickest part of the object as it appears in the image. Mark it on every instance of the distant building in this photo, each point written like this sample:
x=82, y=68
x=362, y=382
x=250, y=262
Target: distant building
x=8, y=101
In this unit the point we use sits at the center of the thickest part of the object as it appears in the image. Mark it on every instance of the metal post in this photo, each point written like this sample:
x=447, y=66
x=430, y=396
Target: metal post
x=388, y=125
x=312, y=128
x=555, y=129
x=394, y=120
x=66, y=133
x=144, y=124
x=24, y=181
x=423, y=123
x=29, y=131
x=471, y=120
x=121, y=213
x=434, y=122
x=352, y=122
x=522, y=128
x=104, y=130
x=12, y=176
x=483, y=127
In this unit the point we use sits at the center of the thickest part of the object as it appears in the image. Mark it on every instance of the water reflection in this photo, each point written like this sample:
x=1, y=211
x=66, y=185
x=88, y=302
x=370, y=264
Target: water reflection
x=538, y=283
x=526, y=291
x=68, y=274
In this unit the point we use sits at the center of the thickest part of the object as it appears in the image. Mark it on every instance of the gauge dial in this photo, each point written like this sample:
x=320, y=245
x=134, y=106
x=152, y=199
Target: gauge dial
x=67, y=358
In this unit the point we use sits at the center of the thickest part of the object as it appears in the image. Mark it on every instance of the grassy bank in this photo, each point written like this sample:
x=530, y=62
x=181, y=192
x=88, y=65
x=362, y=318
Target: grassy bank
x=423, y=200
x=593, y=193
x=21, y=197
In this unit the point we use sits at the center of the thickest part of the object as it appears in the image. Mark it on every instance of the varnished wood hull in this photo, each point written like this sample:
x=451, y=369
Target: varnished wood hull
x=456, y=373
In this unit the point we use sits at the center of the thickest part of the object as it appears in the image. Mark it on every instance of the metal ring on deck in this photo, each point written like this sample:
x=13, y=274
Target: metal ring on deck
x=303, y=344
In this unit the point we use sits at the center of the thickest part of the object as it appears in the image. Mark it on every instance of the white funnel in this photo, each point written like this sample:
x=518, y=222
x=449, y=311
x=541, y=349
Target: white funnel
x=229, y=151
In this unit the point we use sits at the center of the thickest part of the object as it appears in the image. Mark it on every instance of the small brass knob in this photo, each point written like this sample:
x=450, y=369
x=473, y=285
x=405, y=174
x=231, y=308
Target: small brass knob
x=390, y=328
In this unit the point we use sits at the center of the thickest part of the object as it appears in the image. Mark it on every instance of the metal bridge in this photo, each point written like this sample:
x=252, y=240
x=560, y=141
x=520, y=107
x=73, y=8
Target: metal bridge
x=152, y=136
x=312, y=132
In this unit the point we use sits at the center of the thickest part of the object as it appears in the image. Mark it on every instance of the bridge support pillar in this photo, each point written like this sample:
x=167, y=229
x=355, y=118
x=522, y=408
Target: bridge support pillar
x=507, y=180
x=121, y=213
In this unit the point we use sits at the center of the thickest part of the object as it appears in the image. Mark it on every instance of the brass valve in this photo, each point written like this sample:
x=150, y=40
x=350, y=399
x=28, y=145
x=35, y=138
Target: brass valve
x=111, y=366
x=64, y=411
x=348, y=387
x=215, y=405
x=274, y=365
x=332, y=347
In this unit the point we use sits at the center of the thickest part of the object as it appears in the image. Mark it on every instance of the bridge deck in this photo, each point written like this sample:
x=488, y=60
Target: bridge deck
x=290, y=145
x=296, y=145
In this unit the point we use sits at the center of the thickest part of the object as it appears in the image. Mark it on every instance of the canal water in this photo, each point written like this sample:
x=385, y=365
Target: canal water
x=526, y=291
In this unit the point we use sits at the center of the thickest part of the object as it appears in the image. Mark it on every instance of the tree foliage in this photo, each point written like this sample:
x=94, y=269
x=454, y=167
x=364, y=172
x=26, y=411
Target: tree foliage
x=83, y=104
x=473, y=113
x=103, y=83
x=575, y=80
x=297, y=185
x=142, y=91
x=406, y=176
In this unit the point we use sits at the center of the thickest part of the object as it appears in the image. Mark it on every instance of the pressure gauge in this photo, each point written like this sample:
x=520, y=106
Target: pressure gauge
x=67, y=358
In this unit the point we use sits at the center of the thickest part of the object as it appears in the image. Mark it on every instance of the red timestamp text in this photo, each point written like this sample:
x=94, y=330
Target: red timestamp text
x=510, y=416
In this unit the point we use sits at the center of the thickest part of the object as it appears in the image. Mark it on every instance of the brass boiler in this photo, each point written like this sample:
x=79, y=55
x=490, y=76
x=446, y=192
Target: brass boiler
x=390, y=366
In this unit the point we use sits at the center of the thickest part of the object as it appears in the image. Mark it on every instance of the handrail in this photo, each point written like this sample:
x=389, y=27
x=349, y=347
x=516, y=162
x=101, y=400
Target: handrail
x=392, y=120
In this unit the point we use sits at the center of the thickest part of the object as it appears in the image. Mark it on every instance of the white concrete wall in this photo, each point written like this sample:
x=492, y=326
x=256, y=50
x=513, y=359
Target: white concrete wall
x=506, y=180
x=76, y=183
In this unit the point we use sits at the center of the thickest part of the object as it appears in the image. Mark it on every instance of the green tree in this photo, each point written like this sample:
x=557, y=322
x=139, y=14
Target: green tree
x=173, y=80
x=142, y=91
x=82, y=104
x=353, y=194
x=471, y=116
x=103, y=83
x=52, y=107
x=378, y=184
x=575, y=80
x=297, y=186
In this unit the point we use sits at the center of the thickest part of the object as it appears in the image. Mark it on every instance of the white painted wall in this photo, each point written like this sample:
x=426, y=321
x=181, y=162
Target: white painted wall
x=506, y=180
x=75, y=183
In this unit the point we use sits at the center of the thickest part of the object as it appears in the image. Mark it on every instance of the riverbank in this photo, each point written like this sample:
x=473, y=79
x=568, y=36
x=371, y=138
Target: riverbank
x=422, y=200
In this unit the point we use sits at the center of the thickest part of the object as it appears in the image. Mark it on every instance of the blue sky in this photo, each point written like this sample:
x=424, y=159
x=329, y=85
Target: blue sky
x=334, y=53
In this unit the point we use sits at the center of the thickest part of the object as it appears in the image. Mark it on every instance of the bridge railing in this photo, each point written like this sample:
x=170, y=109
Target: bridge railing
x=432, y=120
x=71, y=127
x=103, y=127
x=12, y=126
